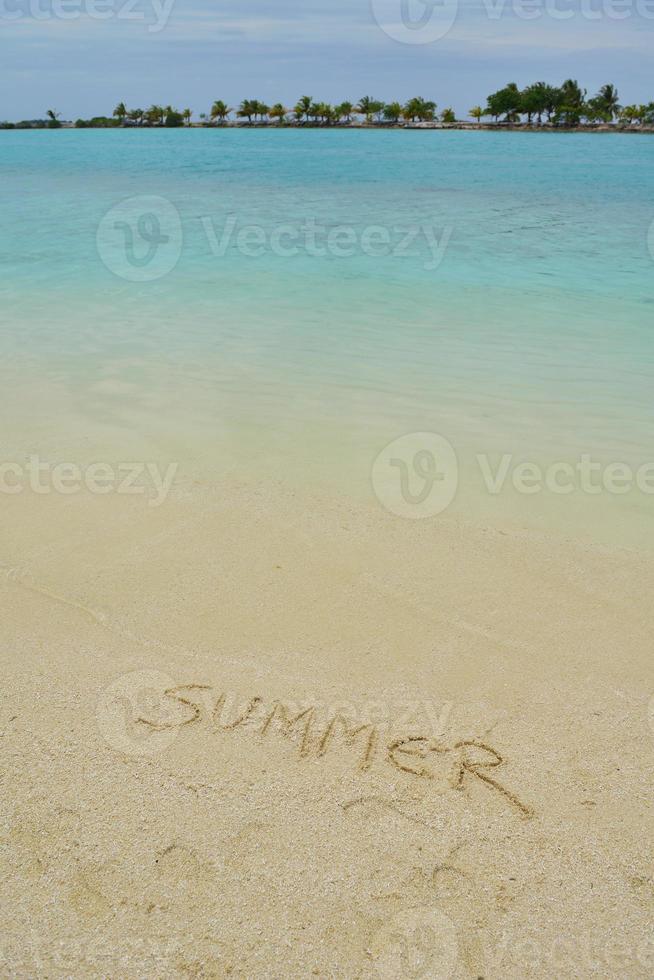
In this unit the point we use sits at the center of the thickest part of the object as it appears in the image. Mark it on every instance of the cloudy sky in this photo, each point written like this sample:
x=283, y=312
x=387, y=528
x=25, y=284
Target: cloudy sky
x=83, y=56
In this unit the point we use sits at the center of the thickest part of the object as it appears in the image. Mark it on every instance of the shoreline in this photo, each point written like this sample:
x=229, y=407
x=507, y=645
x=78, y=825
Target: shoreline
x=457, y=127
x=326, y=563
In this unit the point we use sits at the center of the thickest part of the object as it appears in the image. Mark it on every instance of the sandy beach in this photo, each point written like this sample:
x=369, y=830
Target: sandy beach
x=326, y=572
x=272, y=734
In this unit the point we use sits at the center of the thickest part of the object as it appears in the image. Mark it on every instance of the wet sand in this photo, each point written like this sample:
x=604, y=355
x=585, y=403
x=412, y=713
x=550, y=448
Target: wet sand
x=254, y=732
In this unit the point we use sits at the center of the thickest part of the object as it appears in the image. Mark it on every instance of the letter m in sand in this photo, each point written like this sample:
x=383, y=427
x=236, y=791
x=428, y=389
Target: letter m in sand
x=340, y=723
x=287, y=723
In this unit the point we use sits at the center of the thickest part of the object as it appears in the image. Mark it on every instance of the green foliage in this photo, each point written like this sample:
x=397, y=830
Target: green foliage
x=278, y=112
x=302, y=108
x=220, y=111
x=370, y=107
x=252, y=110
x=343, y=111
x=173, y=118
x=98, y=122
x=571, y=106
x=507, y=102
x=393, y=112
x=560, y=106
x=419, y=110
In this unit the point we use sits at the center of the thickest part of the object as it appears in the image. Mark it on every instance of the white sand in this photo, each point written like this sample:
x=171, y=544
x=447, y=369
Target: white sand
x=201, y=850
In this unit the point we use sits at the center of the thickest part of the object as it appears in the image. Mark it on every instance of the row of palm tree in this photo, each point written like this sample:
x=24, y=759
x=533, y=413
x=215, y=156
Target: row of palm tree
x=565, y=105
x=156, y=115
x=307, y=111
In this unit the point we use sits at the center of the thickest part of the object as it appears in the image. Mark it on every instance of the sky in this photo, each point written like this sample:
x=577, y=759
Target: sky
x=82, y=57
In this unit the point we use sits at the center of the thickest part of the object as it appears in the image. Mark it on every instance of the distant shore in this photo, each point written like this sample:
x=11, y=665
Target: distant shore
x=537, y=107
x=462, y=126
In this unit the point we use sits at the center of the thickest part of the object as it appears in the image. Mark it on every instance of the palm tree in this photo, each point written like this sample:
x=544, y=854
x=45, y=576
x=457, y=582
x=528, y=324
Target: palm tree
x=278, y=112
x=247, y=109
x=327, y=113
x=136, y=116
x=120, y=112
x=512, y=102
x=448, y=116
x=377, y=109
x=220, y=110
x=552, y=97
x=302, y=108
x=571, y=103
x=186, y=116
x=366, y=107
x=321, y=113
x=344, y=111
x=318, y=112
x=260, y=109
x=419, y=109
x=477, y=112
x=155, y=115
x=631, y=114
x=393, y=112
x=53, y=116
x=534, y=101
x=608, y=100
x=594, y=111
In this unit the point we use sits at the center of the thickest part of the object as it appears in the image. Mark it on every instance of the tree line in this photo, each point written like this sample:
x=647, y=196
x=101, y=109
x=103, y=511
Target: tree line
x=540, y=104
x=306, y=112
x=566, y=105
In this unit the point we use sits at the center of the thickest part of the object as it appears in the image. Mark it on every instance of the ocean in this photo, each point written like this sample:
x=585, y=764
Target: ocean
x=284, y=305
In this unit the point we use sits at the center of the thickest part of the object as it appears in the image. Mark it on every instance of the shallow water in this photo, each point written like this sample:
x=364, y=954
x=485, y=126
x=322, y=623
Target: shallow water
x=495, y=288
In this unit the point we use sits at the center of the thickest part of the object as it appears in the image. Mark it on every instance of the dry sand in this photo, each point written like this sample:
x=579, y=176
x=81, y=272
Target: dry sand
x=188, y=834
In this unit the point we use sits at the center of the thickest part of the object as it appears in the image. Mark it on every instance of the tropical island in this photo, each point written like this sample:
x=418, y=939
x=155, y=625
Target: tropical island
x=538, y=106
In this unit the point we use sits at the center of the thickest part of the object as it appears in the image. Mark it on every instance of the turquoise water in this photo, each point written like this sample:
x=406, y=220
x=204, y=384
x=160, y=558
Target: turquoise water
x=527, y=330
